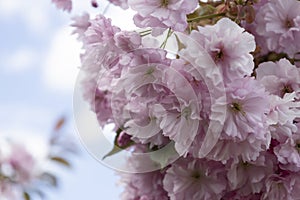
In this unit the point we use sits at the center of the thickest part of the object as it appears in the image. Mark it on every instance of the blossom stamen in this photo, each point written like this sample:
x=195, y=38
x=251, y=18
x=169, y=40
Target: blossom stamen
x=218, y=55
x=196, y=175
x=164, y=3
x=286, y=89
x=237, y=107
x=289, y=24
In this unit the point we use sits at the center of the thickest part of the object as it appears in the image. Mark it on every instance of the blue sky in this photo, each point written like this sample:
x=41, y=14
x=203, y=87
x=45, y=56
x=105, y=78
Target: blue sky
x=38, y=65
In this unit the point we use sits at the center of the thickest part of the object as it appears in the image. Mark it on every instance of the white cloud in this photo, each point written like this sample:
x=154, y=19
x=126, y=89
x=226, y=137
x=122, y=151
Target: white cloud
x=20, y=60
x=9, y=7
x=35, y=14
x=121, y=18
x=62, y=61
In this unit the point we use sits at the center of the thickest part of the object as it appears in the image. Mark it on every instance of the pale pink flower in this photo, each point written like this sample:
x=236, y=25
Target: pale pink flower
x=8, y=192
x=229, y=46
x=22, y=163
x=63, y=4
x=247, y=105
x=278, y=22
x=100, y=31
x=142, y=186
x=286, y=186
x=160, y=100
x=164, y=14
x=195, y=179
x=19, y=169
x=248, y=178
x=140, y=82
x=122, y=3
x=279, y=77
x=81, y=24
x=282, y=114
x=128, y=40
x=288, y=153
x=245, y=130
x=97, y=62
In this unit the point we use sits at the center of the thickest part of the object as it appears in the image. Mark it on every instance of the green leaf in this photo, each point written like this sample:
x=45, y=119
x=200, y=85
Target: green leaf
x=26, y=196
x=50, y=178
x=163, y=157
x=179, y=43
x=61, y=161
x=116, y=148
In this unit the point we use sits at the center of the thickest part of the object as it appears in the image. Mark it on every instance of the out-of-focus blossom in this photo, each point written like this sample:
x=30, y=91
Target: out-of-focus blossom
x=122, y=3
x=63, y=4
x=25, y=173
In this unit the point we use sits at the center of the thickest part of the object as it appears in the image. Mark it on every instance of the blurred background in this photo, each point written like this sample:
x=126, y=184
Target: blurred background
x=39, y=61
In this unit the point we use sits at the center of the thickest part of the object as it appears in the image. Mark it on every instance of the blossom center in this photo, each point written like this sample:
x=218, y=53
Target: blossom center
x=218, y=55
x=245, y=164
x=237, y=107
x=196, y=175
x=289, y=24
x=164, y=3
x=186, y=113
x=286, y=89
x=150, y=71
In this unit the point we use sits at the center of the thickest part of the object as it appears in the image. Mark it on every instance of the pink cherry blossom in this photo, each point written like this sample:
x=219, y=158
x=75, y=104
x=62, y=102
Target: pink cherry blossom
x=279, y=77
x=127, y=40
x=195, y=179
x=145, y=186
x=278, y=23
x=229, y=46
x=81, y=24
x=245, y=129
x=122, y=3
x=282, y=114
x=248, y=178
x=100, y=30
x=63, y=4
x=288, y=153
x=164, y=14
x=282, y=187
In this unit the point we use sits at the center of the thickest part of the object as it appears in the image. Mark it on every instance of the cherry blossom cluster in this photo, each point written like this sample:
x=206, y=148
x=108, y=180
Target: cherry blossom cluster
x=24, y=172
x=222, y=87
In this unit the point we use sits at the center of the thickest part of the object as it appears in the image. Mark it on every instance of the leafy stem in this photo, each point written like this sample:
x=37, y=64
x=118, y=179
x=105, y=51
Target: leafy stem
x=163, y=45
x=206, y=17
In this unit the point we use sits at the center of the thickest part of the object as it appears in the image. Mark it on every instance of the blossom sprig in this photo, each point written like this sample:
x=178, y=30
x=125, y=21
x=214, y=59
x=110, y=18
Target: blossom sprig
x=218, y=81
